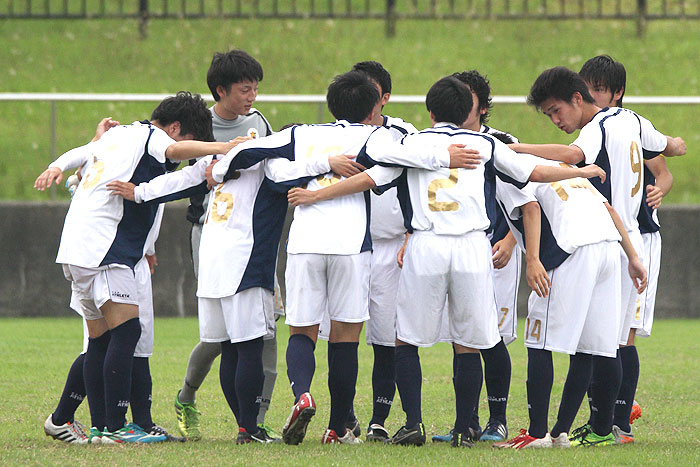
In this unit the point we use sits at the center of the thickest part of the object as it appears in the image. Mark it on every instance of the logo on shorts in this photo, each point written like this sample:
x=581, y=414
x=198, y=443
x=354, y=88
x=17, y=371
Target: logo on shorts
x=120, y=294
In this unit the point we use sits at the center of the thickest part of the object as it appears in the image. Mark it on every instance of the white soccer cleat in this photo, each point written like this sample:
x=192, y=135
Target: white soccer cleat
x=561, y=441
x=71, y=433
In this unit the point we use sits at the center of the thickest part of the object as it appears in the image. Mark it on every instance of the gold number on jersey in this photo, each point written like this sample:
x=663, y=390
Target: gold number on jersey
x=636, y=161
x=437, y=184
x=505, y=313
x=573, y=183
x=325, y=151
x=536, y=330
x=222, y=207
x=325, y=182
x=94, y=174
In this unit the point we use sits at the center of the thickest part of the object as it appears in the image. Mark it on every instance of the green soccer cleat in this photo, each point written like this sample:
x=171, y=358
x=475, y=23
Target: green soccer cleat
x=593, y=440
x=187, y=419
x=94, y=436
x=580, y=433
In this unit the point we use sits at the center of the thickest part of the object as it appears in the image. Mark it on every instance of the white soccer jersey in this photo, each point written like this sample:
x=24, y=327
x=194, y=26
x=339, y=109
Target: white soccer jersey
x=101, y=228
x=243, y=221
x=338, y=226
x=573, y=214
x=452, y=201
x=617, y=140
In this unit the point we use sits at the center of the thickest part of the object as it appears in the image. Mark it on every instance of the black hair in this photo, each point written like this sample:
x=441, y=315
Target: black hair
x=188, y=109
x=604, y=71
x=352, y=96
x=558, y=83
x=377, y=72
x=449, y=100
x=289, y=125
x=479, y=86
x=504, y=138
x=232, y=67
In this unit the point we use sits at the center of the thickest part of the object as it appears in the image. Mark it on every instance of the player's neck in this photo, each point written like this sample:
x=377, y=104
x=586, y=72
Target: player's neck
x=588, y=112
x=222, y=113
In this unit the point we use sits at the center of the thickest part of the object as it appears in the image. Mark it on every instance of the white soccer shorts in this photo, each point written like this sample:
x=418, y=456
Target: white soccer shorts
x=383, y=287
x=319, y=282
x=241, y=317
x=651, y=257
x=505, y=284
x=144, y=347
x=437, y=267
x=632, y=303
x=581, y=312
x=94, y=287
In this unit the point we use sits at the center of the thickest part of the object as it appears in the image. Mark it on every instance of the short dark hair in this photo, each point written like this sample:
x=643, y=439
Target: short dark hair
x=232, y=67
x=558, y=83
x=604, y=71
x=480, y=86
x=377, y=72
x=188, y=109
x=352, y=96
x=504, y=138
x=449, y=100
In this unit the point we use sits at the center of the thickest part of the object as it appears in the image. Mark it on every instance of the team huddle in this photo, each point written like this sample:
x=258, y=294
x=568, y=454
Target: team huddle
x=419, y=234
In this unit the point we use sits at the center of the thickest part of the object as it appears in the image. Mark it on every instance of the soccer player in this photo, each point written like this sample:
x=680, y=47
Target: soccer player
x=570, y=236
x=448, y=254
x=329, y=245
x=102, y=275
x=388, y=232
x=233, y=79
x=615, y=139
x=606, y=81
x=506, y=276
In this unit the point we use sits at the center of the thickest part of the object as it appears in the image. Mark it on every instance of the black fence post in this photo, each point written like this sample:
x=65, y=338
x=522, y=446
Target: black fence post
x=641, y=17
x=390, y=18
x=143, y=18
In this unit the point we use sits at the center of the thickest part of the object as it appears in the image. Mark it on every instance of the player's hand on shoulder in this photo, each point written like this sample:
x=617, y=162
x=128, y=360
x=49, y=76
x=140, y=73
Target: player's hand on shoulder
x=236, y=141
x=462, y=157
x=300, y=197
x=104, y=125
x=123, y=189
x=211, y=183
x=47, y=177
x=345, y=165
x=537, y=278
x=592, y=171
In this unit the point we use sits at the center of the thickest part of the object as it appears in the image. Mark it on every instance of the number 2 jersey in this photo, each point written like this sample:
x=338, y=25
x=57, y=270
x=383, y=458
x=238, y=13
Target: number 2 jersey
x=452, y=201
x=101, y=228
x=573, y=214
x=617, y=140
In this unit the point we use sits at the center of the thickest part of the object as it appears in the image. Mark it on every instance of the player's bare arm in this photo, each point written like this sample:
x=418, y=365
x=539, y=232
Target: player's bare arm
x=355, y=184
x=548, y=174
x=152, y=262
x=664, y=181
x=636, y=268
x=184, y=150
x=571, y=154
x=210, y=178
x=675, y=147
x=537, y=277
x=123, y=189
x=502, y=251
x=402, y=251
x=47, y=177
x=345, y=165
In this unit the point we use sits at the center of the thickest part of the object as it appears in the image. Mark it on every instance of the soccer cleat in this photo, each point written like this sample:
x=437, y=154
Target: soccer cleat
x=494, y=431
x=69, y=432
x=443, y=438
x=270, y=435
x=561, y=441
x=593, y=440
x=260, y=437
x=409, y=436
x=580, y=432
x=354, y=426
x=331, y=437
x=158, y=430
x=294, y=429
x=525, y=441
x=187, y=419
x=622, y=437
x=376, y=432
x=636, y=412
x=94, y=436
x=130, y=433
x=461, y=440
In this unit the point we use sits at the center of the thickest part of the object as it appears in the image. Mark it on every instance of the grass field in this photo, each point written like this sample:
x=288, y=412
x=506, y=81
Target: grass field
x=300, y=57
x=38, y=352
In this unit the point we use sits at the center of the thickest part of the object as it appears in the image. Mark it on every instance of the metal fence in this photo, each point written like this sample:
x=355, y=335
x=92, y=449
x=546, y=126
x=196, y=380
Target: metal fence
x=390, y=10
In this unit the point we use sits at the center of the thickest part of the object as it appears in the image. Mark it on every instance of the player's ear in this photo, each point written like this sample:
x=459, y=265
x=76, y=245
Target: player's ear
x=576, y=98
x=385, y=98
x=221, y=91
x=618, y=94
x=173, y=129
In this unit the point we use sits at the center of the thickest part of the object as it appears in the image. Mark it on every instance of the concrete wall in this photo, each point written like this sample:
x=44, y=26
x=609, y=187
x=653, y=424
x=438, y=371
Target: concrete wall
x=32, y=284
